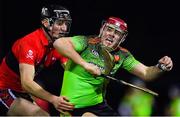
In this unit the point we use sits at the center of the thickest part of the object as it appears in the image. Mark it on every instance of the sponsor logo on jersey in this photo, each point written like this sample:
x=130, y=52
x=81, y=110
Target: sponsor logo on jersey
x=29, y=54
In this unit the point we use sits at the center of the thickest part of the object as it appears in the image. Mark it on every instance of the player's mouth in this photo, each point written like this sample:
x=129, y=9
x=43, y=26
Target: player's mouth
x=109, y=41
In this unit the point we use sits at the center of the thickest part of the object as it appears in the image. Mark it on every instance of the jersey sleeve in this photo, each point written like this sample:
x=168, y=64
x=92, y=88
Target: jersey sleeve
x=79, y=42
x=129, y=62
x=26, y=54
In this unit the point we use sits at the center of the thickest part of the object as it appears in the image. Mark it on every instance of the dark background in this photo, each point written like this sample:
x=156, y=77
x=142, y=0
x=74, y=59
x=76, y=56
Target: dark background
x=153, y=32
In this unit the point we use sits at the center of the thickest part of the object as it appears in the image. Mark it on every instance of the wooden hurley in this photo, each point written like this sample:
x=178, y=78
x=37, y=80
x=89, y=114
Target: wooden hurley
x=131, y=85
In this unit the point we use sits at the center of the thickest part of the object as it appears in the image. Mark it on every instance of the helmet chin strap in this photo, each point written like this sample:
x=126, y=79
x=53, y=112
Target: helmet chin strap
x=49, y=37
x=100, y=34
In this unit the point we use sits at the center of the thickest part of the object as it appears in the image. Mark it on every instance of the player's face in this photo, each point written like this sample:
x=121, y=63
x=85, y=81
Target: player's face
x=59, y=28
x=110, y=36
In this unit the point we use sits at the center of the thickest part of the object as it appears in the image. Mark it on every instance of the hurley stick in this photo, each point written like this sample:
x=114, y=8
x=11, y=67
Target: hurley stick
x=131, y=85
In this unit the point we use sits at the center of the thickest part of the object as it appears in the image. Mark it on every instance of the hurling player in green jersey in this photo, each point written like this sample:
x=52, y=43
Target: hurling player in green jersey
x=90, y=58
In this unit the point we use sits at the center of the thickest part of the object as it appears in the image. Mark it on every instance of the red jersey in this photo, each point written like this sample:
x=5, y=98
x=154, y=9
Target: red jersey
x=30, y=49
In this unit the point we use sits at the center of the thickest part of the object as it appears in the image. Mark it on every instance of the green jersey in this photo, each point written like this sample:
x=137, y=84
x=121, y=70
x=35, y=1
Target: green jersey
x=82, y=88
x=175, y=107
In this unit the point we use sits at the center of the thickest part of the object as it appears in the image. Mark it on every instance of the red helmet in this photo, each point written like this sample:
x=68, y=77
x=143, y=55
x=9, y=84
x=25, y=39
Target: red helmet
x=117, y=23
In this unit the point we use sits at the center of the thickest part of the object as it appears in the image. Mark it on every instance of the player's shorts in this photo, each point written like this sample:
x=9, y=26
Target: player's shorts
x=7, y=96
x=101, y=109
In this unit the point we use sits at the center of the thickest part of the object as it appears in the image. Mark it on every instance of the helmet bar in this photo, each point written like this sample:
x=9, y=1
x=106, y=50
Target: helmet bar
x=115, y=27
x=62, y=14
x=61, y=11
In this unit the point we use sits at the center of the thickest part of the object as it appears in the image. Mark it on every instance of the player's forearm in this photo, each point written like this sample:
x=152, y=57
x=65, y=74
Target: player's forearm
x=152, y=72
x=28, y=84
x=145, y=72
x=36, y=90
x=65, y=47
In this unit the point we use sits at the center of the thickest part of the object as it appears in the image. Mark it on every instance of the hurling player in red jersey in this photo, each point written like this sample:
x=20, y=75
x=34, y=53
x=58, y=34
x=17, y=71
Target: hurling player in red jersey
x=27, y=57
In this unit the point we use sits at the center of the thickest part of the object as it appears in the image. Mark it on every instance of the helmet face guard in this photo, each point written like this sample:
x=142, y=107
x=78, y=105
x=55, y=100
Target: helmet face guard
x=56, y=14
x=117, y=24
